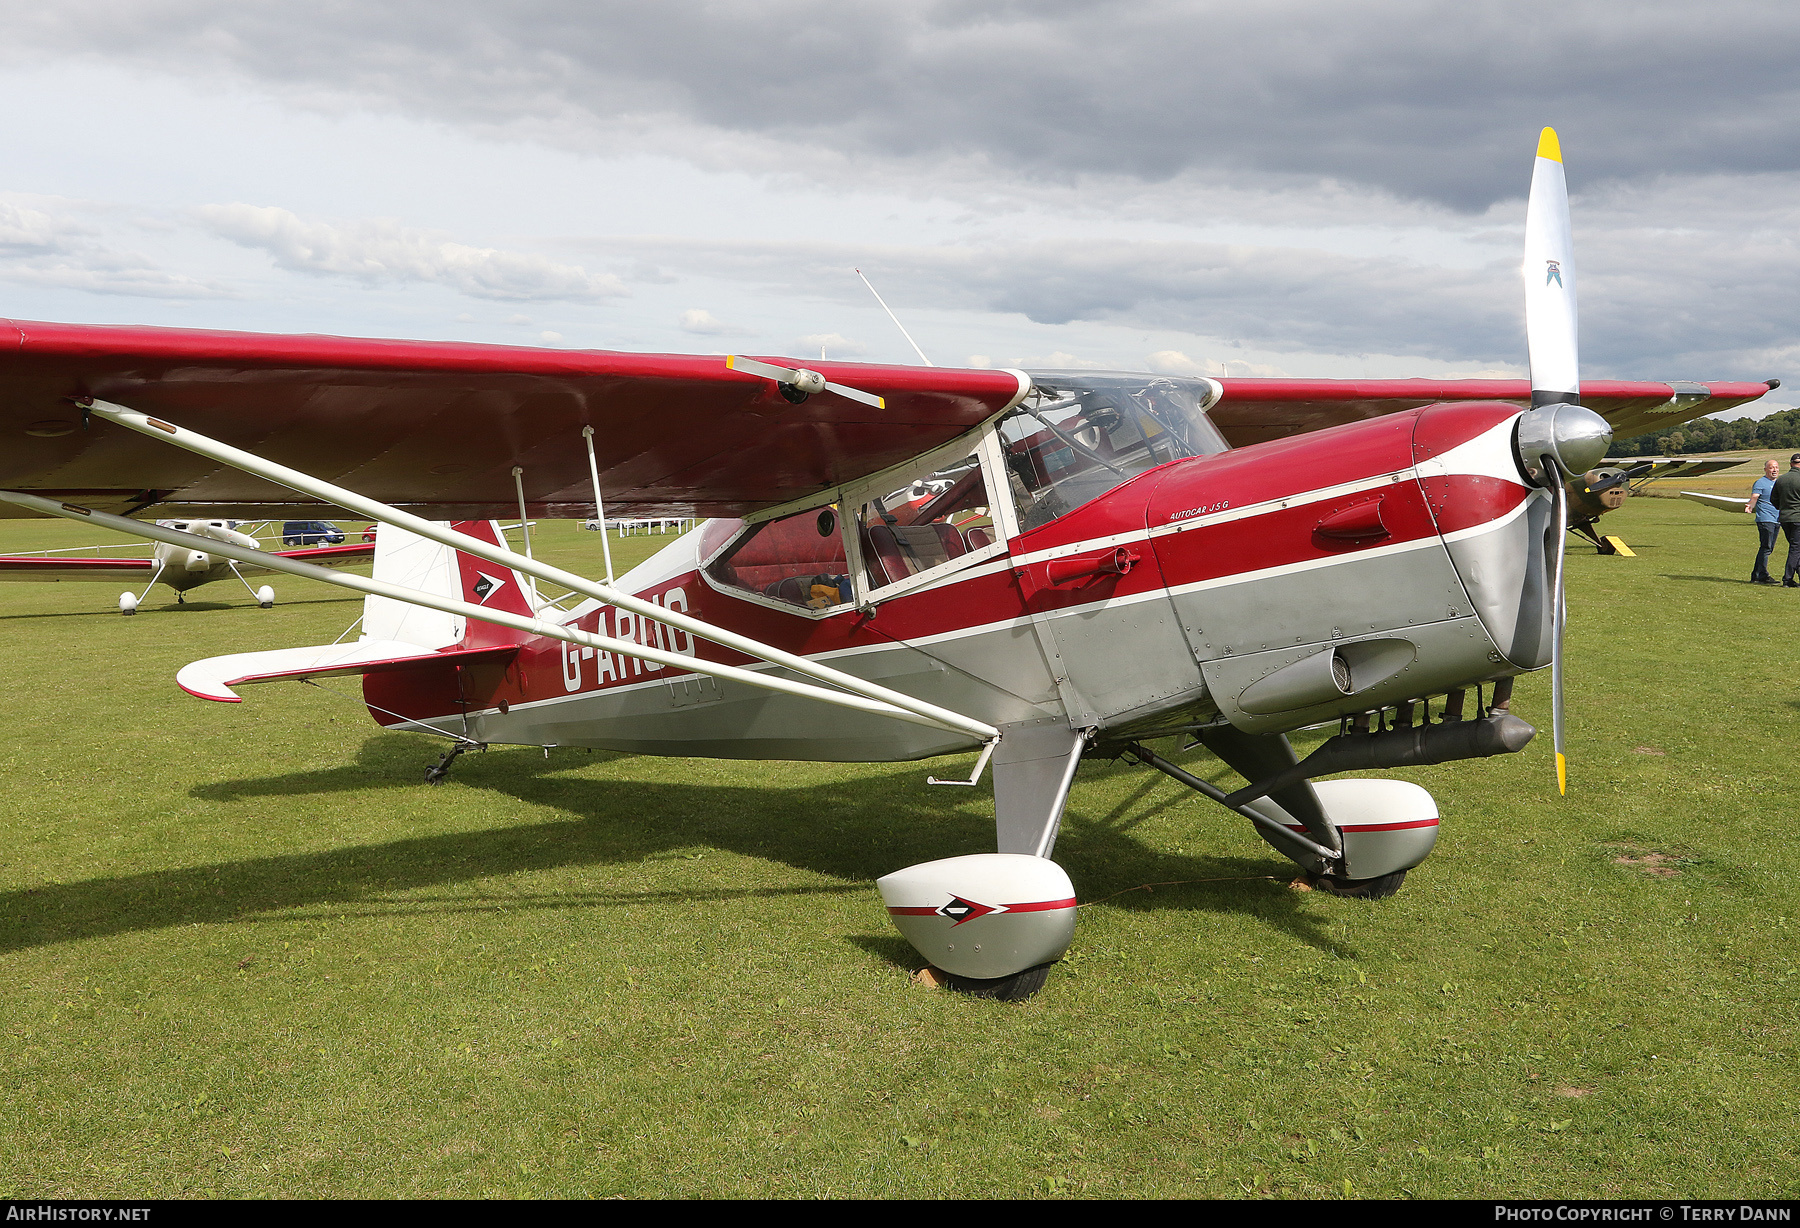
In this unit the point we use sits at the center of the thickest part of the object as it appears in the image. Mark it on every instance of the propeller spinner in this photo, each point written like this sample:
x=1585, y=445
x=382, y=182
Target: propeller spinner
x=1558, y=438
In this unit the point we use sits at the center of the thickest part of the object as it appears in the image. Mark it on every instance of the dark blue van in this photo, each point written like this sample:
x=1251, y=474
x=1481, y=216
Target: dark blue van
x=311, y=533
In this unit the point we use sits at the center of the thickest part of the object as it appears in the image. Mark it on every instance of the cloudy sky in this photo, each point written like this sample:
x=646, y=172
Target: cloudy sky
x=1284, y=187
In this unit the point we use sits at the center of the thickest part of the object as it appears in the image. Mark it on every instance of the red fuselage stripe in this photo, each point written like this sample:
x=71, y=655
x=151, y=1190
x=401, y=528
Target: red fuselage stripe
x=1375, y=826
x=1040, y=906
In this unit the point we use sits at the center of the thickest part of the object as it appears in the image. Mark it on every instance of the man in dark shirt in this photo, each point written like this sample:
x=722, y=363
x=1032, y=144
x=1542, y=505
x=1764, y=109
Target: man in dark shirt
x=1786, y=498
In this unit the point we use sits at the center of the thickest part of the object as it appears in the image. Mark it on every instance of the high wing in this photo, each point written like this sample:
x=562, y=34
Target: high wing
x=44, y=570
x=1255, y=410
x=439, y=427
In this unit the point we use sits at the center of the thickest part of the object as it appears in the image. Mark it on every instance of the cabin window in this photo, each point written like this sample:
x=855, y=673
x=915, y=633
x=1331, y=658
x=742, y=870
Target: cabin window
x=797, y=560
x=940, y=517
x=1078, y=435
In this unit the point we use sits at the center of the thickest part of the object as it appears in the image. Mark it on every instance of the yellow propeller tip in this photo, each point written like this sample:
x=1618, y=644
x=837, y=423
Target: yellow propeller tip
x=1562, y=776
x=1548, y=146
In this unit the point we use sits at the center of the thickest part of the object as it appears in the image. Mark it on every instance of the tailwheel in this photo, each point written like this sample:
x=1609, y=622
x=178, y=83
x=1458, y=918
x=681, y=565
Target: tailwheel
x=1014, y=988
x=1358, y=888
x=437, y=773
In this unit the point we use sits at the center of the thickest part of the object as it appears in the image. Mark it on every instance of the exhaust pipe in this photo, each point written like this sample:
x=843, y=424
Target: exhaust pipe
x=1499, y=733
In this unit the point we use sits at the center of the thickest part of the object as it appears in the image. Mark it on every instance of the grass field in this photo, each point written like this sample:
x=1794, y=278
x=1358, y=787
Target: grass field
x=246, y=952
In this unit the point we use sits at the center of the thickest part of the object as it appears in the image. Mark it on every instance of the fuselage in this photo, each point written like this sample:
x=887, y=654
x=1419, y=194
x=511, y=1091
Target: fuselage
x=1408, y=550
x=183, y=569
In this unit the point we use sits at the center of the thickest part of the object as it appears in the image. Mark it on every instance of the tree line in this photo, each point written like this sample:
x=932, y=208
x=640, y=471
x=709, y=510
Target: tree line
x=1779, y=431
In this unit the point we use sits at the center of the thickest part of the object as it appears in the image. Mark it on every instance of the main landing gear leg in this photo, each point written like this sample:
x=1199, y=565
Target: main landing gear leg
x=994, y=923
x=1260, y=756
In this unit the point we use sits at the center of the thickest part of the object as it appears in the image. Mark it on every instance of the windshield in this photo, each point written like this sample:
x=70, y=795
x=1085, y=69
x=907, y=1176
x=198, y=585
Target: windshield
x=1078, y=434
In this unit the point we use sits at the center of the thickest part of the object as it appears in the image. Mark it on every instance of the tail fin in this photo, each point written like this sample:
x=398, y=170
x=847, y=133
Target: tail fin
x=418, y=562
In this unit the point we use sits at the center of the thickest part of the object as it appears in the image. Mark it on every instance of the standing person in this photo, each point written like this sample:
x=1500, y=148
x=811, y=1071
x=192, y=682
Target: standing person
x=1786, y=497
x=1768, y=521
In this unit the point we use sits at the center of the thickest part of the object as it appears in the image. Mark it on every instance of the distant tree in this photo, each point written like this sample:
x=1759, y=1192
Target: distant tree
x=1778, y=431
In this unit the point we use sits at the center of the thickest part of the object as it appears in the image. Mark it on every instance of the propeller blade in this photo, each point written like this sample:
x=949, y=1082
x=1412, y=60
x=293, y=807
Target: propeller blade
x=1549, y=271
x=800, y=379
x=1557, y=438
x=1559, y=618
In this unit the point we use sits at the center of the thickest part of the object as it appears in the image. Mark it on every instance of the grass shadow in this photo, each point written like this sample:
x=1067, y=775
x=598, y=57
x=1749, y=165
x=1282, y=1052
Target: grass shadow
x=1709, y=580
x=852, y=831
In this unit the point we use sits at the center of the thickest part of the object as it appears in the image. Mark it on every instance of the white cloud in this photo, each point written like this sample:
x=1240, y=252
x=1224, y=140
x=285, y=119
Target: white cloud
x=831, y=343
x=41, y=246
x=550, y=338
x=704, y=323
x=25, y=231
x=1061, y=360
x=1174, y=362
x=381, y=251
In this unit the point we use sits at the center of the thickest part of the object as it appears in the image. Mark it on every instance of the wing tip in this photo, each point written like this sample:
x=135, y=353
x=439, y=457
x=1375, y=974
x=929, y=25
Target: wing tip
x=1562, y=775
x=1548, y=146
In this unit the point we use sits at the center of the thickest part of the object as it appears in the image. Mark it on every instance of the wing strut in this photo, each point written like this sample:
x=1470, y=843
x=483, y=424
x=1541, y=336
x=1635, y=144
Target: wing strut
x=531, y=626
x=890, y=702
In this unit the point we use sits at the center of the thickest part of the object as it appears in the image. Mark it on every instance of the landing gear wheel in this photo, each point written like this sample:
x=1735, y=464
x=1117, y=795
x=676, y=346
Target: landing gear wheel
x=1014, y=988
x=1359, y=888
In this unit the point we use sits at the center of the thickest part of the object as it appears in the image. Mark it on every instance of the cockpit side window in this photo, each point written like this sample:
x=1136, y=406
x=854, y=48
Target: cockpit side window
x=797, y=560
x=1079, y=435
x=942, y=516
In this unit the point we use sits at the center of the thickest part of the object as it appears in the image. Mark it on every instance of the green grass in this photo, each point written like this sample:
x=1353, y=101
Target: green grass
x=248, y=953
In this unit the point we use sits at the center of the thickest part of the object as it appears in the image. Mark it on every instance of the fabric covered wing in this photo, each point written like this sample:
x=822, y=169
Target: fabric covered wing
x=438, y=427
x=1254, y=410
x=321, y=556
x=41, y=569
x=1676, y=466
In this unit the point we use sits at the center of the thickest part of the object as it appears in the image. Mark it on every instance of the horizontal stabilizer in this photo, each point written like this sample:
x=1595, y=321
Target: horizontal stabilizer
x=1725, y=503
x=214, y=677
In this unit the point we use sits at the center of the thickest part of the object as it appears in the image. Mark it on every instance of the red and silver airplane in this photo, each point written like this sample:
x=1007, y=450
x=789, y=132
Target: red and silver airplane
x=182, y=568
x=902, y=562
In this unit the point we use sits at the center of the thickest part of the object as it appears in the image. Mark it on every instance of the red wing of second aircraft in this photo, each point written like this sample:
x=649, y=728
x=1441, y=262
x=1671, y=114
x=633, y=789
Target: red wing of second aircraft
x=44, y=569
x=437, y=427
